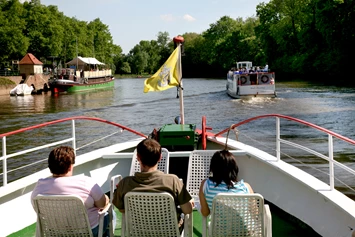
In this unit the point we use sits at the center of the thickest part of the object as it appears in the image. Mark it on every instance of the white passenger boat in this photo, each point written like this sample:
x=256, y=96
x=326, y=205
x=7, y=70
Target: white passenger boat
x=305, y=198
x=248, y=81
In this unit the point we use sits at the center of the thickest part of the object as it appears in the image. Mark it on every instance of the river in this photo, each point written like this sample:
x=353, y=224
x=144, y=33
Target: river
x=327, y=106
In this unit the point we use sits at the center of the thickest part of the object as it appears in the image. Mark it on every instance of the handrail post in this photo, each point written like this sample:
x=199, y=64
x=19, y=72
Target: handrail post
x=331, y=163
x=73, y=135
x=278, y=143
x=4, y=161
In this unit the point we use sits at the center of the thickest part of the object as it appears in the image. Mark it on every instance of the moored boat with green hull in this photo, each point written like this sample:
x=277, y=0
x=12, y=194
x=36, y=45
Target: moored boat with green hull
x=84, y=74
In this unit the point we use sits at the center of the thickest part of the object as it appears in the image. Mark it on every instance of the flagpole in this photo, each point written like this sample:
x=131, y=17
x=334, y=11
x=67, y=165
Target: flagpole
x=181, y=90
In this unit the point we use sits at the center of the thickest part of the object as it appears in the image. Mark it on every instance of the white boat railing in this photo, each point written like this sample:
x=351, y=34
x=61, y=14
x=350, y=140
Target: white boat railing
x=279, y=141
x=4, y=158
x=100, y=73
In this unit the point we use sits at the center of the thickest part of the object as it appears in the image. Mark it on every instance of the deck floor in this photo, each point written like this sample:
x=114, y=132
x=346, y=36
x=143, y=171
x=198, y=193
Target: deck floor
x=281, y=226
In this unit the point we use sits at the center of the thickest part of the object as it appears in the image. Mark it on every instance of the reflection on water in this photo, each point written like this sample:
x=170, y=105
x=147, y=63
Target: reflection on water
x=82, y=100
x=47, y=103
x=23, y=104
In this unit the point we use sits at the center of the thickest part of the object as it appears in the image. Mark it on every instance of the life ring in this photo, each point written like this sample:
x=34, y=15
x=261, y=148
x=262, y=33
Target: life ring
x=203, y=134
x=264, y=79
x=243, y=79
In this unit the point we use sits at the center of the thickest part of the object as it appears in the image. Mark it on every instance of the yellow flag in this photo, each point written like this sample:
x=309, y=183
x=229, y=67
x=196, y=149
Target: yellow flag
x=168, y=76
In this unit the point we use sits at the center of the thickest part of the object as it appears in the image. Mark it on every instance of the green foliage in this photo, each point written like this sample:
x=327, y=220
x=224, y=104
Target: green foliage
x=125, y=68
x=46, y=33
x=13, y=43
x=5, y=81
x=303, y=37
x=307, y=37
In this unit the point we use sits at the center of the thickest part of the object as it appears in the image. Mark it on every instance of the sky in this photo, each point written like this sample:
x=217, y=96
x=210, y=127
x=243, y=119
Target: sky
x=130, y=21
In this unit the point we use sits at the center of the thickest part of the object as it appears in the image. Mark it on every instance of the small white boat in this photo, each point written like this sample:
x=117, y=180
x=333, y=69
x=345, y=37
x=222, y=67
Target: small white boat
x=21, y=90
x=248, y=81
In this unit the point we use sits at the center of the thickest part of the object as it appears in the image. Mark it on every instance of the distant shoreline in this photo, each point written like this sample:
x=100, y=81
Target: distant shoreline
x=120, y=76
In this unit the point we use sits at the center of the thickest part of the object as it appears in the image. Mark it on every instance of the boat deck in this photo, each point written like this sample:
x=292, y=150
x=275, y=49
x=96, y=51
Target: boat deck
x=282, y=226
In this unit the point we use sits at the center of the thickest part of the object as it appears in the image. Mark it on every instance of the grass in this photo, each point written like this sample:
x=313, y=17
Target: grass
x=6, y=82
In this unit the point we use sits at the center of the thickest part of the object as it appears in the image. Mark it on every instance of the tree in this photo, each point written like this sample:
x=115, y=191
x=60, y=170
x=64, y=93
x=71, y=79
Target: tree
x=125, y=68
x=13, y=44
x=138, y=59
x=164, y=49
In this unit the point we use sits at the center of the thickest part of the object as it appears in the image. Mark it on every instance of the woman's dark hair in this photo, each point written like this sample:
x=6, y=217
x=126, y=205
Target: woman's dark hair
x=224, y=168
x=60, y=159
x=149, y=151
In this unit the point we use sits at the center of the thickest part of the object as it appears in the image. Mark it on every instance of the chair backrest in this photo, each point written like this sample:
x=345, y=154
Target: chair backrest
x=198, y=170
x=150, y=214
x=237, y=215
x=61, y=215
x=163, y=164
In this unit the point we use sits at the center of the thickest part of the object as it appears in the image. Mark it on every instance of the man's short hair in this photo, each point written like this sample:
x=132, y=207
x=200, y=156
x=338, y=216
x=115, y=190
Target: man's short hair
x=60, y=159
x=149, y=152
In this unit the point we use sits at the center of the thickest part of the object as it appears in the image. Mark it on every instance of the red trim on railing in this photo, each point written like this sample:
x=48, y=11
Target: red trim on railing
x=71, y=118
x=292, y=119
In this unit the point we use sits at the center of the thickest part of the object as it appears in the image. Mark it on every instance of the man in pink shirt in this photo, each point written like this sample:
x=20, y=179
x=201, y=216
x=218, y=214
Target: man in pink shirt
x=60, y=162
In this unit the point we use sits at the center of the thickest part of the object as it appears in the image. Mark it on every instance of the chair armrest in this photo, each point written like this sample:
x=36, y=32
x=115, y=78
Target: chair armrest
x=204, y=226
x=188, y=225
x=123, y=225
x=267, y=221
x=114, y=181
x=102, y=213
x=107, y=208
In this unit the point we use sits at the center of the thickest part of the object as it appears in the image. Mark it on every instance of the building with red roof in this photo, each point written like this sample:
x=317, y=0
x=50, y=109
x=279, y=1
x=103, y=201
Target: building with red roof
x=30, y=65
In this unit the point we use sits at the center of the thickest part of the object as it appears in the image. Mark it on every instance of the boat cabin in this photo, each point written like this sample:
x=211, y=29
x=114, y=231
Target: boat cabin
x=66, y=73
x=244, y=64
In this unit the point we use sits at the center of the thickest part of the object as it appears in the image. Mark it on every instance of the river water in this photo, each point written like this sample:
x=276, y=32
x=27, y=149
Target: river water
x=328, y=106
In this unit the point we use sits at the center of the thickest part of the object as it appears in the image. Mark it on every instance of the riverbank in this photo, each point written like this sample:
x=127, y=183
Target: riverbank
x=6, y=84
x=119, y=76
x=10, y=82
x=5, y=89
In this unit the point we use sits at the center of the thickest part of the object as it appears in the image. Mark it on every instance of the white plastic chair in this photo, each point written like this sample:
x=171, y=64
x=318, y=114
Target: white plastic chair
x=114, y=181
x=198, y=170
x=153, y=214
x=65, y=215
x=238, y=215
x=163, y=164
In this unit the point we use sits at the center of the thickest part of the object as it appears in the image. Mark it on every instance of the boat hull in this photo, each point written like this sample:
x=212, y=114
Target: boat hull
x=71, y=87
x=251, y=85
x=281, y=184
x=329, y=212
